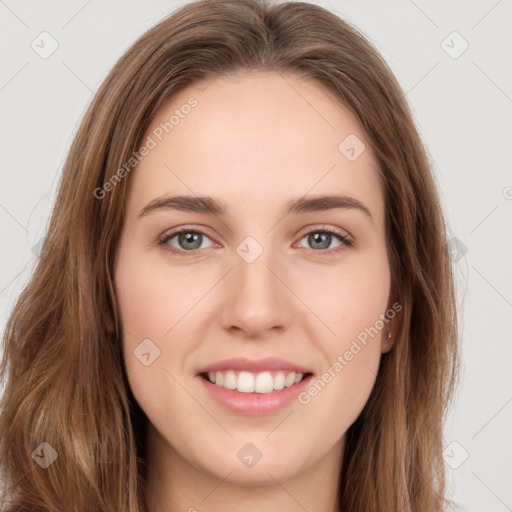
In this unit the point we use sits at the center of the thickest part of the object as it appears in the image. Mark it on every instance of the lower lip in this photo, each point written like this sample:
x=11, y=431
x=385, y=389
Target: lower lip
x=254, y=404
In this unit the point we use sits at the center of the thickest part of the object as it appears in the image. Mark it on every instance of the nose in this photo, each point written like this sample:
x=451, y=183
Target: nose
x=258, y=301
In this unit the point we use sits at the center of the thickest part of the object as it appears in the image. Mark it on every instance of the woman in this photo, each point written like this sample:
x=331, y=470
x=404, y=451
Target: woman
x=244, y=298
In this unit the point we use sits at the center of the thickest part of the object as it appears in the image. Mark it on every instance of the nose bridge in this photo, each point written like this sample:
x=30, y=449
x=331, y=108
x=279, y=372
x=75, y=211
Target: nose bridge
x=257, y=298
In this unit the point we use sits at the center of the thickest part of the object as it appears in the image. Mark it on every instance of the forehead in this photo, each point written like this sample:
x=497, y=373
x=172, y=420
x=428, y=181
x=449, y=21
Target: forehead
x=257, y=136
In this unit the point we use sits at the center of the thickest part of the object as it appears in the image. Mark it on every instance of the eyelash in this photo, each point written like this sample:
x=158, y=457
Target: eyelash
x=345, y=241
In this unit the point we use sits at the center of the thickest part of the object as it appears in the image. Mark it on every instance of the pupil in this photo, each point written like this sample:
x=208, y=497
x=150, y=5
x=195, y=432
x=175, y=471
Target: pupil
x=190, y=238
x=322, y=238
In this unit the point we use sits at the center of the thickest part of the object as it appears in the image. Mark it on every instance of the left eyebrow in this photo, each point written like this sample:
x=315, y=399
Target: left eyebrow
x=321, y=203
x=209, y=205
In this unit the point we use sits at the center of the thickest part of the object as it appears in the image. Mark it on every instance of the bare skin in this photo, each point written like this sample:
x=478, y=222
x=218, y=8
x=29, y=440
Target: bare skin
x=253, y=142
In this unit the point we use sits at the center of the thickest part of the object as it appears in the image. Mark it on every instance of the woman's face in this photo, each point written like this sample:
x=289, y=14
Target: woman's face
x=254, y=291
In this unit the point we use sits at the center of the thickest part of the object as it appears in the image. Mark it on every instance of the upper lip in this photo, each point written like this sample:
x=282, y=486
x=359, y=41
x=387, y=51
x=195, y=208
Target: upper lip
x=254, y=365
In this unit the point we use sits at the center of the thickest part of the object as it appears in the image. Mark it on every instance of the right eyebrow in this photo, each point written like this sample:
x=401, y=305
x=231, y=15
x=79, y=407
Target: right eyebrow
x=196, y=204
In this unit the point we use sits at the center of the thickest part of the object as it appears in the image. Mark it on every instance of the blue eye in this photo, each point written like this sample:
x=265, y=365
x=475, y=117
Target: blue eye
x=190, y=241
x=323, y=238
x=187, y=239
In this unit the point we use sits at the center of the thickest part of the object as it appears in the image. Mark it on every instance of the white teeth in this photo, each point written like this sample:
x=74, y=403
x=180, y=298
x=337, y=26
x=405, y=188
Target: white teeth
x=279, y=381
x=264, y=383
x=290, y=379
x=230, y=381
x=247, y=382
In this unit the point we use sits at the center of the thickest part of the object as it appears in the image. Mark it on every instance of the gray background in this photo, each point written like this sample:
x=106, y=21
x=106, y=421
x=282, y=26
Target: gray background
x=462, y=106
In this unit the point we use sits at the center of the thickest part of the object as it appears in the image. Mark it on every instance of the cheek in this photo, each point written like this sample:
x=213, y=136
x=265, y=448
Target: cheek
x=348, y=298
x=334, y=399
x=351, y=303
x=153, y=304
x=153, y=296
x=156, y=304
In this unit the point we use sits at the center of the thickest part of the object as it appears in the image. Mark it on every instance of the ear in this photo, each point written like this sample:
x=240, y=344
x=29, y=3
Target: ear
x=389, y=333
x=387, y=341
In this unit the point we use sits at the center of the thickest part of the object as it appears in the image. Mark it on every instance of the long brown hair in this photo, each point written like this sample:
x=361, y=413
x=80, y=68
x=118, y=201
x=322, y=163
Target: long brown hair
x=64, y=376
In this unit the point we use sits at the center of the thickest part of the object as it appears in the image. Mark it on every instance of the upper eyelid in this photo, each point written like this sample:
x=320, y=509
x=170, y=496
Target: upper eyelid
x=171, y=233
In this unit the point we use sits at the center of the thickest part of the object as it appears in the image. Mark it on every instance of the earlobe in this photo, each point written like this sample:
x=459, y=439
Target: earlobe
x=387, y=342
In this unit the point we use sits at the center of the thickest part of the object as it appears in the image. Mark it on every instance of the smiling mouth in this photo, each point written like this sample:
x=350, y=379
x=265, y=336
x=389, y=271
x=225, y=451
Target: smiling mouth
x=249, y=382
